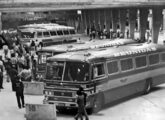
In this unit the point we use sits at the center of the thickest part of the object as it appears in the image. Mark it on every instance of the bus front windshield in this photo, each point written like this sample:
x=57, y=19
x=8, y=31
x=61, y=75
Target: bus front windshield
x=27, y=35
x=54, y=70
x=74, y=71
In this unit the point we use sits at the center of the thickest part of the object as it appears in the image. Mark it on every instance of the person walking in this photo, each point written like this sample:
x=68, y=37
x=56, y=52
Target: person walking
x=81, y=101
x=13, y=77
x=1, y=73
x=19, y=89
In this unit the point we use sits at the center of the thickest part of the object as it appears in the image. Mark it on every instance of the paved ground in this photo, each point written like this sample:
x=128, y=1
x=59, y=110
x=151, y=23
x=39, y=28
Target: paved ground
x=148, y=107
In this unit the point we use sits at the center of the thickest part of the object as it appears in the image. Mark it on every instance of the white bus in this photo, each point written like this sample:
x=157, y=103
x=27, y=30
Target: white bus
x=107, y=74
x=50, y=51
x=47, y=34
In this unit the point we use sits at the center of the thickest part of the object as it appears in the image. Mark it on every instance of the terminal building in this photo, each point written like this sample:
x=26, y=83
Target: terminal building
x=139, y=15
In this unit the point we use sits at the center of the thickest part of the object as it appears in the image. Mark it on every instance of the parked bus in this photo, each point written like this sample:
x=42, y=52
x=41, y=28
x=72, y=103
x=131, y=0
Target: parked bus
x=47, y=34
x=76, y=46
x=107, y=74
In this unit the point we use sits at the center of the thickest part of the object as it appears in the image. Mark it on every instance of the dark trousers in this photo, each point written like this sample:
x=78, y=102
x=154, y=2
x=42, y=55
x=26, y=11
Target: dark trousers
x=20, y=99
x=13, y=84
x=81, y=111
x=1, y=81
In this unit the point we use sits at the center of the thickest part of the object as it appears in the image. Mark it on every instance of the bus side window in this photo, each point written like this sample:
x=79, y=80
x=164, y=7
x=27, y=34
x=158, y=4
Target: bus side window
x=98, y=70
x=53, y=33
x=153, y=59
x=126, y=64
x=72, y=31
x=46, y=34
x=59, y=32
x=66, y=32
x=162, y=57
x=39, y=34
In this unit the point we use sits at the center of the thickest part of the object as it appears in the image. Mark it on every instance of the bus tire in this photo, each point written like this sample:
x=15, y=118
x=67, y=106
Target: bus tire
x=98, y=103
x=148, y=86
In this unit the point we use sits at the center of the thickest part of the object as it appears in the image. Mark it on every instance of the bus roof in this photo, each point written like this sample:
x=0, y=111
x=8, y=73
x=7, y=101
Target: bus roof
x=41, y=27
x=107, y=53
x=85, y=45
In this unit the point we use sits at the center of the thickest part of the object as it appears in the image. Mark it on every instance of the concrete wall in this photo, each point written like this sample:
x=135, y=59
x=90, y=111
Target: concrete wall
x=40, y=112
x=33, y=88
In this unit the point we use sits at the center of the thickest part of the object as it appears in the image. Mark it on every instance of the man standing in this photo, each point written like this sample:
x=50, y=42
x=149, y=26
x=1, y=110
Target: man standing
x=81, y=101
x=19, y=89
x=1, y=73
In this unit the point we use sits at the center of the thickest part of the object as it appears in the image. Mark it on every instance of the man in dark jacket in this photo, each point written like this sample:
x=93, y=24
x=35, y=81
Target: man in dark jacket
x=1, y=73
x=81, y=101
x=13, y=77
x=19, y=89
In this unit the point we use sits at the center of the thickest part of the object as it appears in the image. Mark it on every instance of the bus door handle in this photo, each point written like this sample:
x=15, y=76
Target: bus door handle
x=123, y=80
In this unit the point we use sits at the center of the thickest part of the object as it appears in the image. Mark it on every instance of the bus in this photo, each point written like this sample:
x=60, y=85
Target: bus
x=47, y=34
x=76, y=46
x=106, y=74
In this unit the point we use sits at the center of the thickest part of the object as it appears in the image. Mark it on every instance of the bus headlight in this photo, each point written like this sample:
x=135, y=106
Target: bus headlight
x=50, y=93
x=46, y=92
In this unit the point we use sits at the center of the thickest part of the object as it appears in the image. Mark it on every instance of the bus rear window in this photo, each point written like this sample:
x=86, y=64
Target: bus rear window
x=42, y=57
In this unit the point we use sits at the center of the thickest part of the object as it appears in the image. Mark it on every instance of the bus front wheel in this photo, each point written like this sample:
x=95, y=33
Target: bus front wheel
x=98, y=103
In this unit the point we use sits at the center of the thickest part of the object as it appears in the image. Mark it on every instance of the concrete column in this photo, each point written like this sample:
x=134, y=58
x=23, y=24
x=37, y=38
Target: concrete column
x=87, y=18
x=138, y=20
x=108, y=19
x=132, y=21
x=96, y=18
x=115, y=15
x=0, y=21
x=122, y=19
x=91, y=17
x=143, y=17
x=157, y=18
x=84, y=24
x=102, y=18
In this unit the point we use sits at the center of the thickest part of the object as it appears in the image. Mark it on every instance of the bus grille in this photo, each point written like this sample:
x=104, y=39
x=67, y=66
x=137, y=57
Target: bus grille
x=41, y=67
x=61, y=99
x=67, y=94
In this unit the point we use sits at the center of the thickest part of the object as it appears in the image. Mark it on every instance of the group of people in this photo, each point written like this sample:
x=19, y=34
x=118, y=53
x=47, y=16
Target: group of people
x=17, y=63
x=94, y=32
